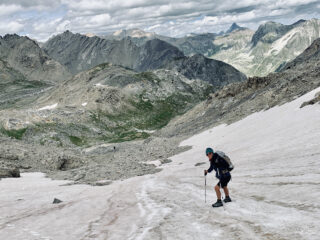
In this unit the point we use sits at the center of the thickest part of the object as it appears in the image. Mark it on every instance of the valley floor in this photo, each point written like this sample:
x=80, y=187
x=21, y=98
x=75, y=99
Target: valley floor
x=275, y=188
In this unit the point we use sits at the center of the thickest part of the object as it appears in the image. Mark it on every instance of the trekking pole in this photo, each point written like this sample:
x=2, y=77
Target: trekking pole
x=205, y=188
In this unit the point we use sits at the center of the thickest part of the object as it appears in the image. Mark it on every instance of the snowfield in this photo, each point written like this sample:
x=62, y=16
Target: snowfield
x=275, y=188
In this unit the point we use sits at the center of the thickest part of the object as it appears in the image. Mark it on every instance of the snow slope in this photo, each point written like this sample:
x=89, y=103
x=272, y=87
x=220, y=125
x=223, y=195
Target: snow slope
x=275, y=188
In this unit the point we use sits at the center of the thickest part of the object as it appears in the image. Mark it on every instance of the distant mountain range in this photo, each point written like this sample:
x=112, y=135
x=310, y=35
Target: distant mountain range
x=255, y=53
x=269, y=48
x=79, y=53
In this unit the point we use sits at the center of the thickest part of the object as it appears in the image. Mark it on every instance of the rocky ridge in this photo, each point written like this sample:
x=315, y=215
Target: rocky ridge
x=79, y=52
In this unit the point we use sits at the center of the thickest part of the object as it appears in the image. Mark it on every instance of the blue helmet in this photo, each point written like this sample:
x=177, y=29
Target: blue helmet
x=209, y=150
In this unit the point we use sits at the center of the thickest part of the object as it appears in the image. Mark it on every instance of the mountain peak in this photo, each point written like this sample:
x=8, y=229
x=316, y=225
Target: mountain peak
x=234, y=27
x=264, y=30
x=271, y=23
x=298, y=22
x=67, y=33
x=11, y=36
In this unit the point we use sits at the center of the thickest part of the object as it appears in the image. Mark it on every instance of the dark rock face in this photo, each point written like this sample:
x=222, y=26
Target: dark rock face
x=9, y=173
x=78, y=52
x=155, y=53
x=198, y=67
x=25, y=56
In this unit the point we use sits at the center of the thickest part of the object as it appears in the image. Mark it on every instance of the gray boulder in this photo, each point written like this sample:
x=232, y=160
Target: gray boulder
x=9, y=173
x=56, y=201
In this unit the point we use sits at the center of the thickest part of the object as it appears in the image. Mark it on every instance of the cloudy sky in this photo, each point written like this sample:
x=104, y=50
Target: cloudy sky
x=40, y=19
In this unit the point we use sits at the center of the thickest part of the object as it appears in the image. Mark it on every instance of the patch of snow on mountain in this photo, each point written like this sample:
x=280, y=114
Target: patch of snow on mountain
x=117, y=33
x=50, y=107
x=278, y=45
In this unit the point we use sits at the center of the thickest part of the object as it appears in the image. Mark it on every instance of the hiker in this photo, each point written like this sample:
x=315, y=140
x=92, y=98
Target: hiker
x=222, y=168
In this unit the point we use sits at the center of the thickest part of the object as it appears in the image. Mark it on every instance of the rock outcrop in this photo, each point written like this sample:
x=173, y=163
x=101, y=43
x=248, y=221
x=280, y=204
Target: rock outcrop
x=26, y=57
x=9, y=173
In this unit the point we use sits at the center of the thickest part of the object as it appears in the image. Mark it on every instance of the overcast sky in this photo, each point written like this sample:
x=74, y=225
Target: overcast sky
x=40, y=19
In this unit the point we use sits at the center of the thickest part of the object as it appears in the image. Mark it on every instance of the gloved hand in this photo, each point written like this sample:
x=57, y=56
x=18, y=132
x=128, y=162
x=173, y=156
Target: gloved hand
x=205, y=172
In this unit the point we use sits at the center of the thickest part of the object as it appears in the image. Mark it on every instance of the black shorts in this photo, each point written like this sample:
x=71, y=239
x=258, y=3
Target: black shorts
x=225, y=179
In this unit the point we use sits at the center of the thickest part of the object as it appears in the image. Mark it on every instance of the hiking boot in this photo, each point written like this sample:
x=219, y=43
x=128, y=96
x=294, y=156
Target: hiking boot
x=227, y=199
x=218, y=203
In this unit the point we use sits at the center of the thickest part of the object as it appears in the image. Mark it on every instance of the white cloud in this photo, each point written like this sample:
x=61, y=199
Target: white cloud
x=292, y=3
x=46, y=26
x=64, y=25
x=10, y=27
x=42, y=18
x=100, y=19
x=6, y=10
x=226, y=19
x=33, y=4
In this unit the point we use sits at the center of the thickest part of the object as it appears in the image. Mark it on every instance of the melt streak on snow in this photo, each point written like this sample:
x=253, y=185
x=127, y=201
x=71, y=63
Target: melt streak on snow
x=275, y=188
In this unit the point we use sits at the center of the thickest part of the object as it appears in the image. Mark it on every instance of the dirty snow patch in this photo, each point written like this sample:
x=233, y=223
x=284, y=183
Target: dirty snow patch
x=146, y=131
x=49, y=107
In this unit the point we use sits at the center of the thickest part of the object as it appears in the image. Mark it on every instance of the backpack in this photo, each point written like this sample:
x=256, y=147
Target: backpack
x=227, y=159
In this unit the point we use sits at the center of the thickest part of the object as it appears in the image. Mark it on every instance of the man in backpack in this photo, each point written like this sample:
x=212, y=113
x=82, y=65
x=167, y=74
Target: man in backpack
x=221, y=166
